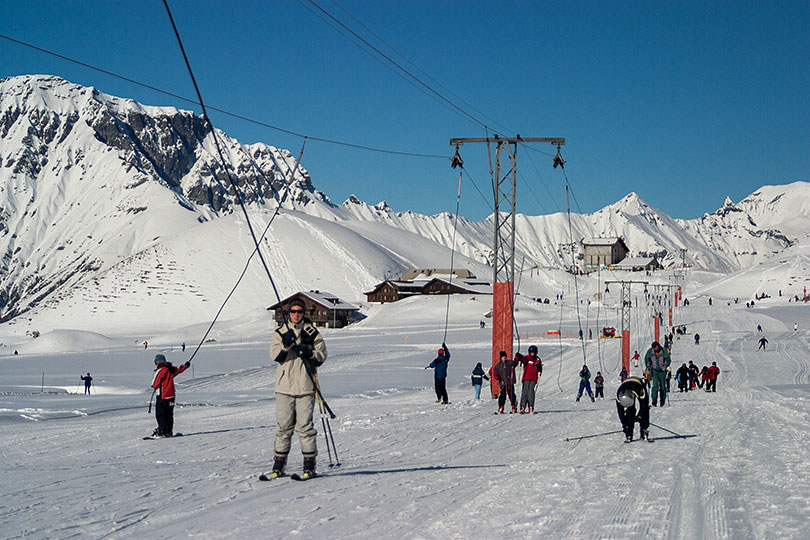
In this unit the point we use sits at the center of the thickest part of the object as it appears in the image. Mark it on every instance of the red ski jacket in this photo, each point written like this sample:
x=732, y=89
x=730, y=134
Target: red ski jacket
x=164, y=378
x=714, y=371
x=532, y=366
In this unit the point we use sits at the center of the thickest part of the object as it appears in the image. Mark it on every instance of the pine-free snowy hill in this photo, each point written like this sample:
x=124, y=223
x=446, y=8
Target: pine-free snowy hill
x=110, y=208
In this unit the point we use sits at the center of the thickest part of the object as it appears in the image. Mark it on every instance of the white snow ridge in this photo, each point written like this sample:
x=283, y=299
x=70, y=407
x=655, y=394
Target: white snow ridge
x=115, y=232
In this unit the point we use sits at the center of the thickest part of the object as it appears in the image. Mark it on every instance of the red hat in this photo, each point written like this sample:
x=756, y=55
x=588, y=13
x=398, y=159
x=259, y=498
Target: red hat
x=441, y=351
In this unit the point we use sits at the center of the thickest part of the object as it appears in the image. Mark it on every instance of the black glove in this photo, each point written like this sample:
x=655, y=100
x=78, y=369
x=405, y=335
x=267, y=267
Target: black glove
x=287, y=338
x=188, y=363
x=302, y=351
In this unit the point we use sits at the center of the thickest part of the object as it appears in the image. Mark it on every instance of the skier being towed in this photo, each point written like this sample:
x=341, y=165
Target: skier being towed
x=631, y=391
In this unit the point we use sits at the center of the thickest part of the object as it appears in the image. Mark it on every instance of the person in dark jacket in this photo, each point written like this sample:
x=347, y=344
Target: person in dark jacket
x=87, y=382
x=163, y=383
x=439, y=366
x=697, y=338
x=762, y=343
x=532, y=369
x=478, y=377
x=623, y=375
x=505, y=375
x=682, y=376
x=585, y=382
x=694, y=376
x=633, y=402
x=599, y=385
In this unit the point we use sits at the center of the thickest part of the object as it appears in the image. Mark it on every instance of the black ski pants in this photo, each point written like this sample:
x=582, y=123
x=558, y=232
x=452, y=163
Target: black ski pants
x=441, y=390
x=600, y=392
x=164, y=413
x=506, y=390
x=628, y=416
x=711, y=385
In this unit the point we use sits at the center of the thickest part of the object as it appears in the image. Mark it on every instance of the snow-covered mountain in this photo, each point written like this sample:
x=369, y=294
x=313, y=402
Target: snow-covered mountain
x=105, y=201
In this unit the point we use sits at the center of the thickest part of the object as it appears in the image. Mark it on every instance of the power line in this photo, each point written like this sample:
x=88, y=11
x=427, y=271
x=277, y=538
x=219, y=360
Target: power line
x=222, y=111
x=399, y=66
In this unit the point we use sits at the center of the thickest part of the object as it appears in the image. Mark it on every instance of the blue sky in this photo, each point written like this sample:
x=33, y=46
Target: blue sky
x=684, y=103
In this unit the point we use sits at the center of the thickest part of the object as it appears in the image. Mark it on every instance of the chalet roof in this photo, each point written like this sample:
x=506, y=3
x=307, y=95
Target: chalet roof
x=633, y=262
x=322, y=298
x=427, y=273
x=475, y=286
x=609, y=241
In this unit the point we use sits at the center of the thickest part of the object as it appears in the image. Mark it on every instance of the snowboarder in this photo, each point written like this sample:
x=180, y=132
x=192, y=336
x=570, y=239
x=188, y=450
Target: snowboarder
x=697, y=338
x=762, y=342
x=599, y=384
x=657, y=361
x=163, y=383
x=88, y=380
x=585, y=382
x=439, y=366
x=682, y=376
x=631, y=390
x=299, y=349
x=532, y=370
x=505, y=375
x=478, y=377
x=713, y=371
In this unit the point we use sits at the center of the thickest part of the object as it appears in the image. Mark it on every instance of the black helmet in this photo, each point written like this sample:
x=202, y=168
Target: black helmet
x=159, y=359
x=532, y=349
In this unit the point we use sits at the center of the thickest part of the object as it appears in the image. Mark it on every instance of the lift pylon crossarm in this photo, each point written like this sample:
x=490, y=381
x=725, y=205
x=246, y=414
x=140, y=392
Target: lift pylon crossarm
x=558, y=141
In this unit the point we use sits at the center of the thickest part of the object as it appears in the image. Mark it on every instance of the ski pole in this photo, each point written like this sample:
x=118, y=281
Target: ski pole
x=318, y=390
x=596, y=435
x=325, y=435
x=669, y=431
x=337, y=459
x=150, y=400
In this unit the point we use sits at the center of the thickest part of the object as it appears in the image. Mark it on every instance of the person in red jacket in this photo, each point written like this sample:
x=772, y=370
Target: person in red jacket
x=713, y=372
x=532, y=369
x=163, y=383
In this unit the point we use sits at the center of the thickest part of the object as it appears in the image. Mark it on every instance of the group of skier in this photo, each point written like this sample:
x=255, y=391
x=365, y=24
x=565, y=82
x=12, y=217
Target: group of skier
x=691, y=378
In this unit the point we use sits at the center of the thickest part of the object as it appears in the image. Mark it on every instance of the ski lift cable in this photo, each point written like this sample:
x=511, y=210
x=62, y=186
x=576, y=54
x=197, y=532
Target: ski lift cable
x=573, y=260
x=222, y=158
x=225, y=112
x=456, y=162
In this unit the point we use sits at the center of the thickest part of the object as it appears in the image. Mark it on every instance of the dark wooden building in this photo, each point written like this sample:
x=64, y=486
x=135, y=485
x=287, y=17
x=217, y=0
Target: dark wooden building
x=322, y=308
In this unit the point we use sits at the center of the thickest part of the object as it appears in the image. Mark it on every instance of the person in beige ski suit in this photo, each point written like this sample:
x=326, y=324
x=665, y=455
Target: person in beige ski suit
x=299, y=349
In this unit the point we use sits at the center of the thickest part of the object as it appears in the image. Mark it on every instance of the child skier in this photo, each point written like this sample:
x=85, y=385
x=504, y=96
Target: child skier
x=599, y=381
x=163, y=383
x=585, y=382
x=478, y=377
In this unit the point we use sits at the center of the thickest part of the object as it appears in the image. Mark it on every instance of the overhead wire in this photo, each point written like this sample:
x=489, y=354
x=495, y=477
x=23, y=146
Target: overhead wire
x=130, y=80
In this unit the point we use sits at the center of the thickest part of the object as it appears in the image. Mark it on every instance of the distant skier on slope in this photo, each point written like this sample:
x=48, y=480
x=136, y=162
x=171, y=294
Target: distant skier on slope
x=682, y=376
x=87, y=382
x=713, y=372
x=633, y=390
x=657, y=360
x=599, y=385
x=585, y=382
x=762, y=342
x=439, y=366
x=477, y=379
x=532, y=369
x=697, y=338
x=504, y=373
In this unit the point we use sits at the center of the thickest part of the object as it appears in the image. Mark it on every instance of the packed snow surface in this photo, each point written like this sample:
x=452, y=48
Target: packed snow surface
x=75, y=466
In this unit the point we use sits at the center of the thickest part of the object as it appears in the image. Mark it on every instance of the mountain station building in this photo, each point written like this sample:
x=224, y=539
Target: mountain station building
x=421, y=281
x=603, y=252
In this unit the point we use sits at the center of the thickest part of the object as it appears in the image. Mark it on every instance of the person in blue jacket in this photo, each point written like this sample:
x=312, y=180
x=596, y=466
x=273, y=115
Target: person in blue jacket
x=439, y=366
x=478, y=377
x=87, y=382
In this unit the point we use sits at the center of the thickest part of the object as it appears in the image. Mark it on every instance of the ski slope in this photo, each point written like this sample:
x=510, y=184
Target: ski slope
x=75, y=466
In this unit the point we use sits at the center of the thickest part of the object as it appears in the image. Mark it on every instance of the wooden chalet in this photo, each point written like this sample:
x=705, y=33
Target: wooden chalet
x=322, y=308
x=440, y=283
x=637, y=264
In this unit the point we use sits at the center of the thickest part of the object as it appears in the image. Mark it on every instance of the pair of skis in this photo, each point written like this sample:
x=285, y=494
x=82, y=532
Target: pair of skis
x=295, y=476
